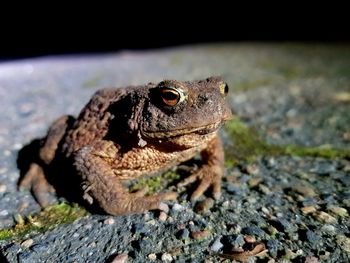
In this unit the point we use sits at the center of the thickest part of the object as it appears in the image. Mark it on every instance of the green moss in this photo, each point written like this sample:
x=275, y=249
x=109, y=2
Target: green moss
x=45, y=220
x=246, y=145
x=324, y=151
x=155, y=183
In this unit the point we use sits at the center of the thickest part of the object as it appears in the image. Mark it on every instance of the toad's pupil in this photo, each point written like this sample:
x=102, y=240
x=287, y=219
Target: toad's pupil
x=226, y=88
x=170, y=95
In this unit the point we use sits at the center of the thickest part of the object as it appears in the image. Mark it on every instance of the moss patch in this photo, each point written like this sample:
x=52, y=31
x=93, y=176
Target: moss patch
x=324, y=151
x=247, y=145
x=45, y=220
x=155, y=183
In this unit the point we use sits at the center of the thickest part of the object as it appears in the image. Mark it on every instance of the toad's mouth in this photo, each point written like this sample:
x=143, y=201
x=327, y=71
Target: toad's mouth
x=203, y=130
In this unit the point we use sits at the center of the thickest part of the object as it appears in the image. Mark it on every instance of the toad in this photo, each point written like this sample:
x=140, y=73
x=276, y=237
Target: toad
x=123, y=134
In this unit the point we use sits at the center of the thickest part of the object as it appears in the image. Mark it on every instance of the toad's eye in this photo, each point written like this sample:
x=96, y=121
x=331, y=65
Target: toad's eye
x=224, y=89
x=171, y=96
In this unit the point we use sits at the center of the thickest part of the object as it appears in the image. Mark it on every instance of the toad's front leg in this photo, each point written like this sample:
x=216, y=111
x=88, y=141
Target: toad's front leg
x=101, y=184
x=211, y=172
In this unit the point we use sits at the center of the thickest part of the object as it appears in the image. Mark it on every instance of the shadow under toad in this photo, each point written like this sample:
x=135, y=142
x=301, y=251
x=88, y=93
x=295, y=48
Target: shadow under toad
x=60, y=173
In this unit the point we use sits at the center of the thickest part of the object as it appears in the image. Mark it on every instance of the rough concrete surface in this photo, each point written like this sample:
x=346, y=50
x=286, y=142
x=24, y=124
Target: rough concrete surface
x=294, y=200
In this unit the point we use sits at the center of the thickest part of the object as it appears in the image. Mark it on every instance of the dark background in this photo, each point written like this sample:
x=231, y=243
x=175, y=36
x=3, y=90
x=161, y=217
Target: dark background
x=64, y=31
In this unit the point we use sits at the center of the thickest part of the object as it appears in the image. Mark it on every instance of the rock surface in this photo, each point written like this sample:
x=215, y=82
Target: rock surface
x=291, y=94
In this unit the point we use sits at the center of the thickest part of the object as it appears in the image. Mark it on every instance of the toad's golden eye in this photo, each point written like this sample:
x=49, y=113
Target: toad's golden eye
x=170, y=96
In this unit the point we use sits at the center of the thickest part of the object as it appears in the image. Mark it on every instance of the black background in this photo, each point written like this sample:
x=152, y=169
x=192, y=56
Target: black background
x=64, y=30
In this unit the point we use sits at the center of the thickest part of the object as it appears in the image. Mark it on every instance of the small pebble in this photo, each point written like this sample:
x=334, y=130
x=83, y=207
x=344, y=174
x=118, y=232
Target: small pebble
x=250, y=239
x=225, y=204
x=2, y=188
x=27, y=243
x=255, y=181
x=88, y=226
x=343, y=242
x=217, y=245
x=312, y=237
x=304, y=190
x=109, y=221
x=200, y=234
x=311, y=259
x=289, y=254
x=122, y=258
x=18, y=219
x=252, y=169
x=271, y=162
x=324, y=217
x=339, y=211
x=264, y=189
x=308, y=209
x=328, y=229
x=152, y=257
x=164, y=207
x=325, y=255
x=265, y=210
x=346, y=167
x=302, y=175
x=166, y=257
x=162, y=216
x=92, y=244
x=272, y=230
x=177, y=208
x=204, y=205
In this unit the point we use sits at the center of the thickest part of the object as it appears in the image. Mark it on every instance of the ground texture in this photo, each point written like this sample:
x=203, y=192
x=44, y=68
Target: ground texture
x=287, y=182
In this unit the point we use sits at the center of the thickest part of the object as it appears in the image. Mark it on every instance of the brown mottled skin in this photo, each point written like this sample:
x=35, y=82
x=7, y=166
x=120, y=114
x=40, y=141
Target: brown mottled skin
x=126, y=133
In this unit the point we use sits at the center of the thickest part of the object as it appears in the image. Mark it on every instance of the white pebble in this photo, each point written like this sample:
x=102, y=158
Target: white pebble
x=177, y=207
x=152, y=257
x=27, y=243
x=163, y=216
x=122, y=258
x=217, y=245
x=109, y=221
x=167, y=257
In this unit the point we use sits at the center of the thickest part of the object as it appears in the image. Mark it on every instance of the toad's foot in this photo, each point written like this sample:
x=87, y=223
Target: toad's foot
x=35, y=181
x=207, y=176
x=133, y=203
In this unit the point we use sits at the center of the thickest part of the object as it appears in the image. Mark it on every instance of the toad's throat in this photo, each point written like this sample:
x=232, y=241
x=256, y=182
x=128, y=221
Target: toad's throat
x=202, y=130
